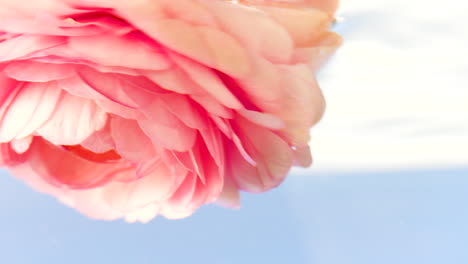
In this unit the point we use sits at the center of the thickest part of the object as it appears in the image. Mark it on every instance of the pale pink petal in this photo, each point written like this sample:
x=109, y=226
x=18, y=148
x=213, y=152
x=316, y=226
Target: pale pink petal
x=31, y=108
x=155, y=187
x=73, y=120
x=22, y=145
x=143, y=215
x=272, y=155
x=302, y=156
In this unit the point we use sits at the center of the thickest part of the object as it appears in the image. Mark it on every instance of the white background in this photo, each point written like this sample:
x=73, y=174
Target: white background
x=397, y=90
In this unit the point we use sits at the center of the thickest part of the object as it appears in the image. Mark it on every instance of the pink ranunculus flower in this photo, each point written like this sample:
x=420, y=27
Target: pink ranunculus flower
x=130, y=109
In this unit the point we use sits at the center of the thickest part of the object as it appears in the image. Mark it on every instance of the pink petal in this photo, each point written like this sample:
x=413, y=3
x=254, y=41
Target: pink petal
x=184, y=109
x=23, y=45
x=272, y=155
x=165, y=129
x=77, y=87
x=116, y=87
x=100, y=141
x=38, y=72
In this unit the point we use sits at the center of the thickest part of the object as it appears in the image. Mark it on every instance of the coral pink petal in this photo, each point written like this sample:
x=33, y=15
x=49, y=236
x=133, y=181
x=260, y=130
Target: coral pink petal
x=214, y=143
x=211, y=105
x=130, y=141
x=184, y=109
x=264, y=119
x=115, y=87
x=61, y=167
x=165, y=129
x=178, y=205
x=175, y=80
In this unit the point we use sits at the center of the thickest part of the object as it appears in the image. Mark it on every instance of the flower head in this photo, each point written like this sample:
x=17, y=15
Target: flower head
x=136, y=108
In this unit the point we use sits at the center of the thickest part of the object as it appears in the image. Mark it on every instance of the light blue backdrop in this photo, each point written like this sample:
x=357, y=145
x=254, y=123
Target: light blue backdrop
x=393, y=217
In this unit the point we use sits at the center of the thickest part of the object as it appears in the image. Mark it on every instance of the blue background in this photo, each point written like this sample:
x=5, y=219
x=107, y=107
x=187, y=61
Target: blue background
x=325, y=218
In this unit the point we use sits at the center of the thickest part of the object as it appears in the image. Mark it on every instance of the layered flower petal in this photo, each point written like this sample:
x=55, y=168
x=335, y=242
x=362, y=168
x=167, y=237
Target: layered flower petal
x=133, y=109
